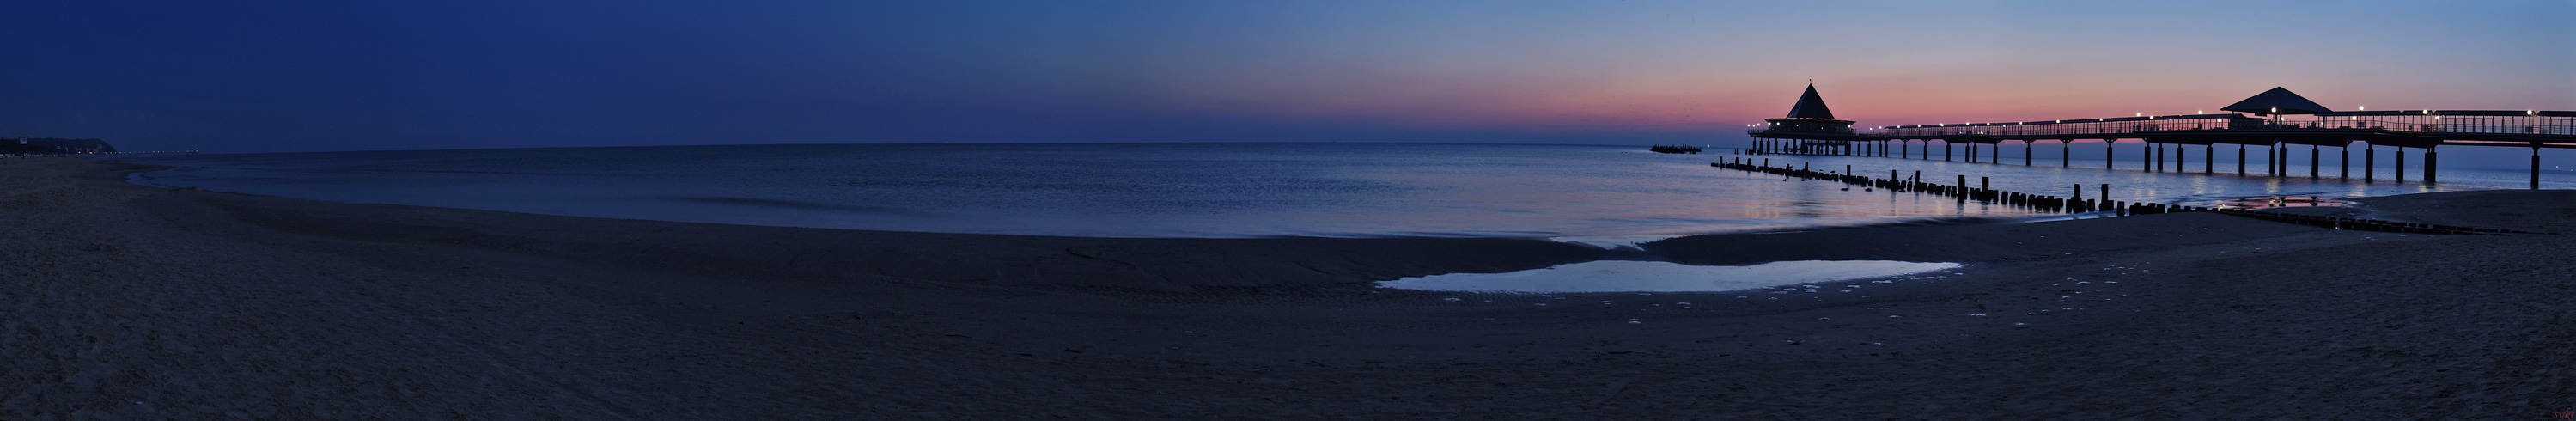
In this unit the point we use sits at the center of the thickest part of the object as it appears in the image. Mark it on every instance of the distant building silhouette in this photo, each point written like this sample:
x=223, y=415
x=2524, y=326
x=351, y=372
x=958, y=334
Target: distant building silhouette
x=1809, y=116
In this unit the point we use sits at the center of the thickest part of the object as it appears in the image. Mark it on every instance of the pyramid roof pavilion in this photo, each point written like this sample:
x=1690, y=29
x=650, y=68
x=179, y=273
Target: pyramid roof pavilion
x=1811, y=106
x=2277, y=101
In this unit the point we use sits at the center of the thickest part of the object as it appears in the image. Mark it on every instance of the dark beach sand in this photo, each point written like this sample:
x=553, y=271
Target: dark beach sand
x=124, y=302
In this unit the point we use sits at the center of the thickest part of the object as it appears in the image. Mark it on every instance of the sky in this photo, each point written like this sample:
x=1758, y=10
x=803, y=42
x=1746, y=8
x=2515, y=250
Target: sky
x=286, y=76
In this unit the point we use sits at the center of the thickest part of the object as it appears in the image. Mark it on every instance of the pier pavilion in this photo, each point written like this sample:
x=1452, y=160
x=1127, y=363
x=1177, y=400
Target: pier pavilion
x=2276, y=120
x=1810, y=129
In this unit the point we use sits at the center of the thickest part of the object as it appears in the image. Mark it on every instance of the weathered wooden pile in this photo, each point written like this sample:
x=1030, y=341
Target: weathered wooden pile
x=2077, y=204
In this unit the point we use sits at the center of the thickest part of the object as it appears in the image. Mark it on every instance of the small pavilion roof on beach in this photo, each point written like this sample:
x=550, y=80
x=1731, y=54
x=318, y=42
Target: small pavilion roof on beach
x=2277, y=101
x=1811, y=105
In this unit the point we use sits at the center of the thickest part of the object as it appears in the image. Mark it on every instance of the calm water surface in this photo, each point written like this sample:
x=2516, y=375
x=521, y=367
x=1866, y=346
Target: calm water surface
x=1197, y=190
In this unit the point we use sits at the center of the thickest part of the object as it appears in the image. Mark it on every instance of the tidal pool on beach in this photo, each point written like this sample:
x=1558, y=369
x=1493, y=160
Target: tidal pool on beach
x=1637, y=276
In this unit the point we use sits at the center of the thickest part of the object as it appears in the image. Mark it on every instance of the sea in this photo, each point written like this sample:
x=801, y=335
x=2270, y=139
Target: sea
x=1241, y=190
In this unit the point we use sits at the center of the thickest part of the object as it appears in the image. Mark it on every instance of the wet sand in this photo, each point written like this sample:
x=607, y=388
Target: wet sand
x=125, y=302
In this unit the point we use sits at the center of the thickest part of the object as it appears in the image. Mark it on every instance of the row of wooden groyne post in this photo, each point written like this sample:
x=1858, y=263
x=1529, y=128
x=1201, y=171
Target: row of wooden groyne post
x=2076, y=203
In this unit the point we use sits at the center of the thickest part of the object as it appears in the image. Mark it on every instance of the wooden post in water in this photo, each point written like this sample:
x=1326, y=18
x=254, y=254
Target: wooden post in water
x=2066, y=153
x=1963, y=188
x=2369, y=162
x=2432, y=165
x=2209, y=159
x=2345, y=162
x=2109, y=145
x=2158, y=157
x=2106, y=191
x=2240, y=159
x=1945, y=149
x=2272, y=160
x=2535, y=165
x=2147, y=157
x=2025, y=151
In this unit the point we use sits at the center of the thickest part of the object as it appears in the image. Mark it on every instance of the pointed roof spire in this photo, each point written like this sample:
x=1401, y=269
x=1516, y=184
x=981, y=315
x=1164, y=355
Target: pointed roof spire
x=2277, y=101
x=1811, y=106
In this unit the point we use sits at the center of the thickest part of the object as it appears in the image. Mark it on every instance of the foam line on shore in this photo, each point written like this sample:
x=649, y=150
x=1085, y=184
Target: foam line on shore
x=1642, y=276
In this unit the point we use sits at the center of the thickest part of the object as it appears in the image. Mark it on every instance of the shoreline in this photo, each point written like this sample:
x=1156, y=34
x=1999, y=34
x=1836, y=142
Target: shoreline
x=136, y=302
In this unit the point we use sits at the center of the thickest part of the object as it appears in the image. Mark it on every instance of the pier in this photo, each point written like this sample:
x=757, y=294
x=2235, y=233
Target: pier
x=2274, y=123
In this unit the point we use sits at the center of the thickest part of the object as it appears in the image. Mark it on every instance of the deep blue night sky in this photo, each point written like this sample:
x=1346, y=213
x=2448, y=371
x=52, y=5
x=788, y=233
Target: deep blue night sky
x=267, y=76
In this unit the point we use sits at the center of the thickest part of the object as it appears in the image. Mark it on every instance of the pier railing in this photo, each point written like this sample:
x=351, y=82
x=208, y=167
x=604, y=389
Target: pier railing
x=2488, y=122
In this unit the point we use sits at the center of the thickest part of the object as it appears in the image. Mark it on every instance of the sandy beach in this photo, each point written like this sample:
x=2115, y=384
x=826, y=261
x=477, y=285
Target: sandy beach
x=125, y=302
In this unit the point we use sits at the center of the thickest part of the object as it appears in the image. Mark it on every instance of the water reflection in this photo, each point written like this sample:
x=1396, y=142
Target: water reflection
x=1225, y=190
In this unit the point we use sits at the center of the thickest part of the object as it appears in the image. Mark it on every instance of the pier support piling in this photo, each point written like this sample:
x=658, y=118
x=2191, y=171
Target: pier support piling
x=2345, y=162
x=2209, y=159
x=2272, y=160
x=2369, y=163
x=2313, y=164
x=2535, y=165
x=2432, y=166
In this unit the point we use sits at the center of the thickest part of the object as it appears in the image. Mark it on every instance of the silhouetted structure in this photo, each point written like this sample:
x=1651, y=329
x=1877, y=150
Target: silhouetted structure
x=2276, y=132
x=1810, y=129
